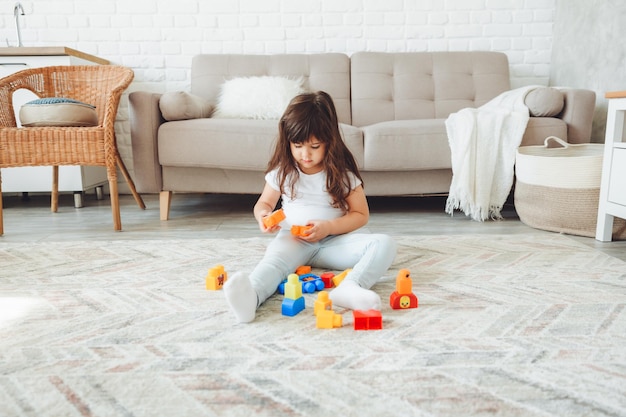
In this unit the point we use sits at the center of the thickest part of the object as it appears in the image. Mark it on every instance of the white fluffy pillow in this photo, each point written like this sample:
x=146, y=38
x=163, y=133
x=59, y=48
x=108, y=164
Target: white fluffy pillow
x=264, y=97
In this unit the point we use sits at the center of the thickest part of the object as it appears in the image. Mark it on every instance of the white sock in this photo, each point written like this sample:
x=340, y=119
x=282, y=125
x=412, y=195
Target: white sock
x=352, y=296
x=241, y=297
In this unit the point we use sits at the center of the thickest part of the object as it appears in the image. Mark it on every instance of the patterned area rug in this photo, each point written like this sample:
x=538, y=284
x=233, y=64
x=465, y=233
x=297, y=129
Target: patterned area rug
x=507, y=325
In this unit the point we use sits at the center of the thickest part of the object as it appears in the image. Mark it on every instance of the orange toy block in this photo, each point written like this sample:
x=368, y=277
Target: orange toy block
x=216, y=277
x=367, y=319
x=300, y=230
x=322, y=303
x=403, y=297
x=274, y=218
x=328, y=319
x=338, y=278
x=303, y=269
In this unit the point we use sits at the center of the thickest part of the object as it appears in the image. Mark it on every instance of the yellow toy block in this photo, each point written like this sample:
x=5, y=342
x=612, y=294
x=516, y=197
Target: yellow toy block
x=293, y=287
x=322, y=303
x=328, y=319
x=216, y=277
x=338, y=278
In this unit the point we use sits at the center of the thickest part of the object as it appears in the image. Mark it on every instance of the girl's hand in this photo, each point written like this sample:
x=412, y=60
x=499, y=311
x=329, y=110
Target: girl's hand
x=318, y=231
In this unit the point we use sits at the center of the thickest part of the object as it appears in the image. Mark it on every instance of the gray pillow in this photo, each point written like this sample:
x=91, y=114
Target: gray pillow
x=58, y=111
x=180, y=105
x=544, y=102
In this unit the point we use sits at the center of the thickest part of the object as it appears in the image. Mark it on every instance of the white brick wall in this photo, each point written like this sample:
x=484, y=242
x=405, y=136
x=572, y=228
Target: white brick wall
x=157, y=38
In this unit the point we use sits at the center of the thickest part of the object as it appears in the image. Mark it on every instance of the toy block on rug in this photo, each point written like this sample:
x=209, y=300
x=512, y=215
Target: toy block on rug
x=293, y=303
x=403, y=297
x=216, y=277
x=367, y=319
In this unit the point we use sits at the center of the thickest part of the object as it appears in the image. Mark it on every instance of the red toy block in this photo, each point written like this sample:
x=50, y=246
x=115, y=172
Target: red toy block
x=216, y=277
x=367, y=320
x=300, y=230
x=327, y=278
x=402, y=301
x=274, y=218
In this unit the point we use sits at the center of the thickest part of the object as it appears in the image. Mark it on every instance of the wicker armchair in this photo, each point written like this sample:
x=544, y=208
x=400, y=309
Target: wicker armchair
x=99, y=85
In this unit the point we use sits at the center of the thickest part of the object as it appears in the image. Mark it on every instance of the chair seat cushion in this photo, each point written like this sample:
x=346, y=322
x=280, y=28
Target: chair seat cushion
x=56, y=111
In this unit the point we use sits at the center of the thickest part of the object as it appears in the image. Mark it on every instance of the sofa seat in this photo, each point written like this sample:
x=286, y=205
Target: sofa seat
x=230, y=143
x=424, y=144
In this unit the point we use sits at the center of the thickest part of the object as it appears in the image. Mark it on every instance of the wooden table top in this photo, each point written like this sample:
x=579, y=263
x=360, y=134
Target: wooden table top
x=616, y=94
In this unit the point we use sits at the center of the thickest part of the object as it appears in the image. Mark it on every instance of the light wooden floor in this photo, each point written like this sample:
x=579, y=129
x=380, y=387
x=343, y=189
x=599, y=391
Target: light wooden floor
x=196, y=216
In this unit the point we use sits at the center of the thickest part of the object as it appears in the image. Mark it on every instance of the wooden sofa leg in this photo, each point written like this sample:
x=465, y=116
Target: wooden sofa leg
x=165, y=199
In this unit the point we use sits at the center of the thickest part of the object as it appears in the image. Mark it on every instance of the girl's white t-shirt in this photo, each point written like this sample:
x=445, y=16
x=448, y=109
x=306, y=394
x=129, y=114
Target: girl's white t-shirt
x=311, y=202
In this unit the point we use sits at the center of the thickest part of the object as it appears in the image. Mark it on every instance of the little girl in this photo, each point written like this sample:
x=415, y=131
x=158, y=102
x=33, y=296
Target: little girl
x=320, y=186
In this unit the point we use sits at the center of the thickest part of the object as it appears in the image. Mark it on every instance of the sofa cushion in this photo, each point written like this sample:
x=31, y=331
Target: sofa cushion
x=423, y=85
x=544, y=102
x=262, y=97
x=180, y=105
x=218, y=143
x=57, y=111
x=406, y=145
x=328, y=72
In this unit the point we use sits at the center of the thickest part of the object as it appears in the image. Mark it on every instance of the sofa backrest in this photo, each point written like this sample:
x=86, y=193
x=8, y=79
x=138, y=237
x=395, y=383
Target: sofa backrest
x=329, y=72
x=423, y=85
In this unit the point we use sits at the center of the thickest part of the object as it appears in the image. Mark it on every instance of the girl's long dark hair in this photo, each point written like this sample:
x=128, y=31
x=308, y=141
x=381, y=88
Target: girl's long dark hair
x=314, y=114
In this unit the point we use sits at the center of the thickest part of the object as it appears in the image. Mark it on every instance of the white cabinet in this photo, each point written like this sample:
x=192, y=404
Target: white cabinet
x=39, y=179
x=613, y=187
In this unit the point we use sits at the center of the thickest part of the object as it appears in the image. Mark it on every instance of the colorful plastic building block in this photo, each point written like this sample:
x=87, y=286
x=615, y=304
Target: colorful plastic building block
x=328, y=319
x=322, y=303
x=292, y=307
x=327, y=278
x=403, y=297
x=293, y=303
x=293, y=288
x=367, y=320
x=215, y=278
x=274, y=218
x=303, y=269
x=300, y=230
x=309, y=283
x=338, y=278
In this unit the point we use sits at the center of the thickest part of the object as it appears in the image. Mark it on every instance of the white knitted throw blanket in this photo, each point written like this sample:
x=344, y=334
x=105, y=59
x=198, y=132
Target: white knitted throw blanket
x=483, y=142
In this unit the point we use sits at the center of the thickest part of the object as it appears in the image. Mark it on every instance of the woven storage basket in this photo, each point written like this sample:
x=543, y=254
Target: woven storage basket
x=558, y=189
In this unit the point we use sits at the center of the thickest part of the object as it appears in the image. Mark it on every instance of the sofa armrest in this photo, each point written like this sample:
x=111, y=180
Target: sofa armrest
x=145, y=119
x=578, y=113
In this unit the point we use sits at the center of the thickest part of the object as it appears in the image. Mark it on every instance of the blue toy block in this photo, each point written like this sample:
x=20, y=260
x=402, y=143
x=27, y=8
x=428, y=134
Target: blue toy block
x=292, y=307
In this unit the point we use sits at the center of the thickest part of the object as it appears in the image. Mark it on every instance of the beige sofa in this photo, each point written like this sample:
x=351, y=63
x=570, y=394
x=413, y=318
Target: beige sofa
x=392, y=109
